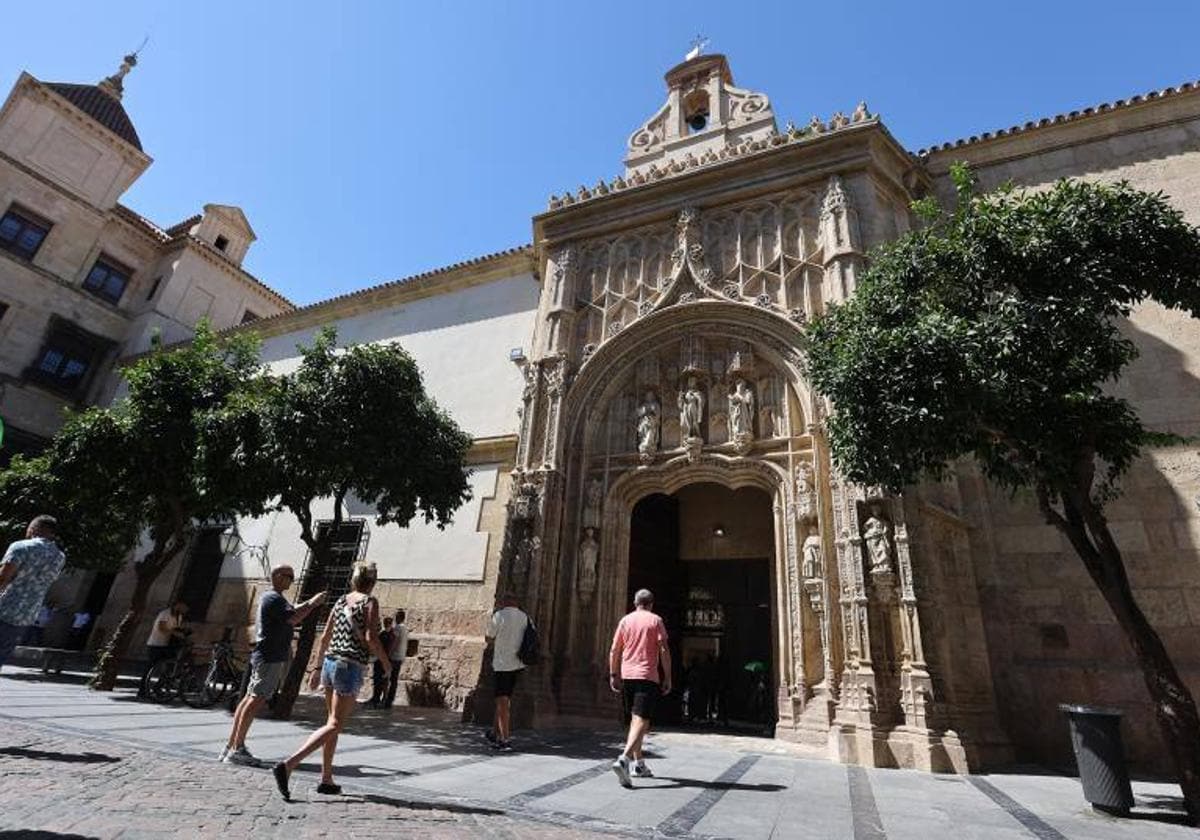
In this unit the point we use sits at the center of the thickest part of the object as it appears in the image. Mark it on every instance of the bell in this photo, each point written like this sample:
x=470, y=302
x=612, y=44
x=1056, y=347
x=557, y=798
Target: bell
x=698, y=121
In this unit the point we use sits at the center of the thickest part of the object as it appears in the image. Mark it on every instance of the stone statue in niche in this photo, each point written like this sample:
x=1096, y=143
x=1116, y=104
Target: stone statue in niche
x=805, y=501
x=589, y=554
x=741, y=410
x=691, y=410
x=648, y=428
x=811, y=566
x=595, y=502
x=878, y=539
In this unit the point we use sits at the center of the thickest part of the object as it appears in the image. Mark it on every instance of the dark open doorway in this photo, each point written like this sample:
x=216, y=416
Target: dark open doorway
x=712, y=587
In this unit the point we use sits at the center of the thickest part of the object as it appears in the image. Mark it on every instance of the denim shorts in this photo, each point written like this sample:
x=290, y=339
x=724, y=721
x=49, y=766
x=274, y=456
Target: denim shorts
x=344, y=676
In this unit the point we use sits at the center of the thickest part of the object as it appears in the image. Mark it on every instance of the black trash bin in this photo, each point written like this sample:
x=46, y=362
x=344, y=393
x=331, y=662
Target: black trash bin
x=1100, y=756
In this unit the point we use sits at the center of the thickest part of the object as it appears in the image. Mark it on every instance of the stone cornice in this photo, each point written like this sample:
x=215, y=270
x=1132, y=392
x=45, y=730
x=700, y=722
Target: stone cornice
x=81, y=297
x=499, y=449
x=1153, y=109
x=748, y=148
x=859, y=146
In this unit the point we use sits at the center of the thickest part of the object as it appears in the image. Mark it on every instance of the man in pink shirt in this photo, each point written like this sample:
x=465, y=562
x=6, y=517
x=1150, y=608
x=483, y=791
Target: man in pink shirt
x=639, y=648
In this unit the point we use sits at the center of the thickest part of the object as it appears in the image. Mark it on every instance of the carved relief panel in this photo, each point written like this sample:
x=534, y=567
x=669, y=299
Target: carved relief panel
x=701, y=389
x=770, y=253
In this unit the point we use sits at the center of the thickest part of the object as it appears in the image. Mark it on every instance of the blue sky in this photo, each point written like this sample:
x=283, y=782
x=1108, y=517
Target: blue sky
x=370, y=141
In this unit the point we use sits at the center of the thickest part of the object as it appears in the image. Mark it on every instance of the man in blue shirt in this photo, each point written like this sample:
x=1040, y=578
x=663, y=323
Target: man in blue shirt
x=269, y=662
x=26, y=572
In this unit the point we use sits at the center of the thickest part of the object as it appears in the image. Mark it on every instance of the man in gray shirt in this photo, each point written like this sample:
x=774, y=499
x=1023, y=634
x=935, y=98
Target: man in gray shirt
x=26, y=572
x=269, y=662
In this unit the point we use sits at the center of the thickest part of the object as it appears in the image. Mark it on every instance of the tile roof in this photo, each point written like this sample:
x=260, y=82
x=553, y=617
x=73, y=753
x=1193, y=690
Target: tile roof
x=404, y=281
x=101, y=107
x=140, y=221
x=1059, y=119
x=184, y=226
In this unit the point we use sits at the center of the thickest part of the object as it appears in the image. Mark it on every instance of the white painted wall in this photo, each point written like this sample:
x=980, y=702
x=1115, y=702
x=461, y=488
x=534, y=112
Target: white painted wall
x=418, y=552
x=460, y=340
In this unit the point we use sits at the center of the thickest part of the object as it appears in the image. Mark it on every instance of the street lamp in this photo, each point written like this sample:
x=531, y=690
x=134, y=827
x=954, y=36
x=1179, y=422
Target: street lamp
x=230, y=539
x=232, y=545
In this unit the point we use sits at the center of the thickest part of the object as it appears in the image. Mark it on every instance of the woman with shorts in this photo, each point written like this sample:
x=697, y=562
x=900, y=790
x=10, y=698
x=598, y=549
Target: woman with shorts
x=350, y=639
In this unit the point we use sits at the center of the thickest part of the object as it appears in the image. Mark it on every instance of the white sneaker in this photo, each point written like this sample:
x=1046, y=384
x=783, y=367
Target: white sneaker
x=224, y=756
x=642, y=771
x=621, y=768
x=243, y=757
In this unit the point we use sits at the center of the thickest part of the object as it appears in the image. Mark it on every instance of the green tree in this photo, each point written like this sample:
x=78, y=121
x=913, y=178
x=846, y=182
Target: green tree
x=994, y=332
x=169, y=423
x=75, y=481
x=350, y=423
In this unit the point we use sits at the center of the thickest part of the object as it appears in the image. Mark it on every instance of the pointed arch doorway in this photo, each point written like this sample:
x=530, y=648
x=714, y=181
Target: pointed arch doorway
x=706, y=551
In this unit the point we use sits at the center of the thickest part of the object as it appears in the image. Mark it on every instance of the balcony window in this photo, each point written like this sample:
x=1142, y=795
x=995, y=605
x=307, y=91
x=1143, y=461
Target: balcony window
x=22, y=233
x=68, y=356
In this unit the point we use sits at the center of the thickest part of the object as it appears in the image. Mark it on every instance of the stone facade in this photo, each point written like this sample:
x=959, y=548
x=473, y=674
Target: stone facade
x=646, y=347
x=92, y=280
x=936, y=630
x=1050, y=637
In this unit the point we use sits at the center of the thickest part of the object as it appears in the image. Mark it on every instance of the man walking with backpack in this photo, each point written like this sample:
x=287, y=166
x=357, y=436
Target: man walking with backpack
x=507, y=632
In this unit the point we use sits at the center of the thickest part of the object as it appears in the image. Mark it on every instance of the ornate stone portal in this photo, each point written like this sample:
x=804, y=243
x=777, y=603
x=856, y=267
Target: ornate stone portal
x=667, y=354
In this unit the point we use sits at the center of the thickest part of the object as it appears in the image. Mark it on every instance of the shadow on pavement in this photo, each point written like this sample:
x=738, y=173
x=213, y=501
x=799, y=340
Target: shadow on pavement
x=357, y=771
x=410, y=804
x=707, y=785
x=29, y=834
x=68, y=758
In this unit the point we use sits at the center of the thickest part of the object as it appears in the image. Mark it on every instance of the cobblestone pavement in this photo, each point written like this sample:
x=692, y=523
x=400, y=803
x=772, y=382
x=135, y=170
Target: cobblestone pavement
x=83, y=787
x=79, y=763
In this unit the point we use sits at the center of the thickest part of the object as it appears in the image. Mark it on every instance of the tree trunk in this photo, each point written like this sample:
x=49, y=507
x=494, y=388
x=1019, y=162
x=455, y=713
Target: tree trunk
x=1173, y=703
x=298, y=667
x=119, y=642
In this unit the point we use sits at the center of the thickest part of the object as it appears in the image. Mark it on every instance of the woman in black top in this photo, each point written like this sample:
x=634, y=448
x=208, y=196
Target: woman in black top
x=351, y=637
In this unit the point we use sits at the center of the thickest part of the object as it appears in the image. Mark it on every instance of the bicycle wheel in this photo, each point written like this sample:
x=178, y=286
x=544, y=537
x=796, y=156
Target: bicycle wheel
x=160, y=680
x=195, y=687
x=224, y=682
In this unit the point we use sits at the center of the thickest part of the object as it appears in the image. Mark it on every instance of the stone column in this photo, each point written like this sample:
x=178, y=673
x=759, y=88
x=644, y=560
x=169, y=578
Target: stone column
x=840, y=241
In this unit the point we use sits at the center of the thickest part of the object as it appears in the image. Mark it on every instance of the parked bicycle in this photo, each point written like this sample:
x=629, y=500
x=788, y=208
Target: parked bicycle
x=162, y=682
x=209, y=683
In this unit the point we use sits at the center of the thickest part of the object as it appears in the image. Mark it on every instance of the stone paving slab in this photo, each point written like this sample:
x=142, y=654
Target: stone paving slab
x=418, y=772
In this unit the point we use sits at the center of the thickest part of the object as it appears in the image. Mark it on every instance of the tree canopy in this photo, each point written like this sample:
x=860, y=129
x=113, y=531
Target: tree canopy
x=77, y=480
x=353, y=422
x=171, y=422
x=995, y=331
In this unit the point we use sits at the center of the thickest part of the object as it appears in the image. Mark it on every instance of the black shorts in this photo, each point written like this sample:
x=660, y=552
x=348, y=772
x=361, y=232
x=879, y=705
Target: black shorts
x=641, y=696
x=506, y=681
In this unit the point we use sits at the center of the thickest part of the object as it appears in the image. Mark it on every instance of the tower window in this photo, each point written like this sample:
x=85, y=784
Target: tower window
x=696, y=111
x=222, y=243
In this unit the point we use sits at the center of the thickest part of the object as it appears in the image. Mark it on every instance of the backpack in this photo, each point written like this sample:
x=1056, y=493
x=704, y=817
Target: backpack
x=528, y=651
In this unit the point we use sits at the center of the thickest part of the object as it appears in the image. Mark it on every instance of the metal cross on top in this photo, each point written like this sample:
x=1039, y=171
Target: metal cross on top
x=698, y=45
